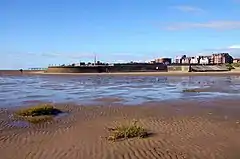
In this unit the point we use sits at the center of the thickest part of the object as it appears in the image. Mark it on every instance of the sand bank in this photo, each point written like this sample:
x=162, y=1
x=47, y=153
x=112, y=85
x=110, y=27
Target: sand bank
x=180, y=130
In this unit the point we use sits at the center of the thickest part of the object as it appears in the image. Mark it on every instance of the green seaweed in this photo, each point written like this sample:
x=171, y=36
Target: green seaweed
x=127, y=131
x=44, y=109
x=37, y=114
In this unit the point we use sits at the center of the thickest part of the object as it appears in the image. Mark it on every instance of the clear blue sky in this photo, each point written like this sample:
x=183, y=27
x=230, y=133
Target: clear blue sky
x=42, y=32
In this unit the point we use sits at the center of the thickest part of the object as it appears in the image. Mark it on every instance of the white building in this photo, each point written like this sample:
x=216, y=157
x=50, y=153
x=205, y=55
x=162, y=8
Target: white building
x=194, y=60
x=204, y=60
x=178, y=59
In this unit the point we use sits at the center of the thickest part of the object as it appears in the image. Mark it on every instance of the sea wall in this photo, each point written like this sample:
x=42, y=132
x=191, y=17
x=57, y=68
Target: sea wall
x=138, y=68
x=178, y=68
x=16, y=72
x=115, y=68
x=205, y=68
x=73, y=70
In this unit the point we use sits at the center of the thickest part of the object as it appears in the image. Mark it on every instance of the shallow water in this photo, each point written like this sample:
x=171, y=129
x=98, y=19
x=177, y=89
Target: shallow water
x=27, y=89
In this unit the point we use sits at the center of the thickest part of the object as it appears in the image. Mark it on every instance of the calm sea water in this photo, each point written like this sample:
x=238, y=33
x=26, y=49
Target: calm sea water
x=26, y=89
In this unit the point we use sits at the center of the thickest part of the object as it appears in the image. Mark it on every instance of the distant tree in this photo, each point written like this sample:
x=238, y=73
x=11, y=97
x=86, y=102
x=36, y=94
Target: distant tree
x=229, y=66
x=82, y=63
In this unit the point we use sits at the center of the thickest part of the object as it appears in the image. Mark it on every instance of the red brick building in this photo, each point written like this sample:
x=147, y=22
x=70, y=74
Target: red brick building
x=222, y=58
x=219, y=58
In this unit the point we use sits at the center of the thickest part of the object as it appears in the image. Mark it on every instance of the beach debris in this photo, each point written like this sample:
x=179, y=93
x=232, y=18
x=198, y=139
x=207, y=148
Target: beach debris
x=37, y=114
x=127, y=131
x=191, y=90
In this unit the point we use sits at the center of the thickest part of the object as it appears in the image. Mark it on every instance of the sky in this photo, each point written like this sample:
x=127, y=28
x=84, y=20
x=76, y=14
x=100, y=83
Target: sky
x=36, y=33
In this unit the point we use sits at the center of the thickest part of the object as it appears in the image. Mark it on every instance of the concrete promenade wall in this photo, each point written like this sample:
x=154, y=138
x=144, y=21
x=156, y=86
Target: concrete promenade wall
x=178, y=68
x=138, y=68
x=72, y=70
x=116, y=68
x=16, y=72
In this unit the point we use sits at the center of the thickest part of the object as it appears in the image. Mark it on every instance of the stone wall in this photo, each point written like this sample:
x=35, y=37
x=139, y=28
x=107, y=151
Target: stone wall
x=72, y=70
x=178, y=68
x=115, y=68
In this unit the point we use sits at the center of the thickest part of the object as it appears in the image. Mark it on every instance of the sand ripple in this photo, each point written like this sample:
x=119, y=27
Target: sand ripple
x=81, y=135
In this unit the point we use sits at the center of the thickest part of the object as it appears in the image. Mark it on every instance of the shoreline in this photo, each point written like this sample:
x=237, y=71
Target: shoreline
x=172, y=73
x=169, y=73
x=185, y=129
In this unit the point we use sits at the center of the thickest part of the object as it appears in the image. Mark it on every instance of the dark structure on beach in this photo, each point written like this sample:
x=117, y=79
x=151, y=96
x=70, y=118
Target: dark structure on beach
x=135, y=67
x=122, y=67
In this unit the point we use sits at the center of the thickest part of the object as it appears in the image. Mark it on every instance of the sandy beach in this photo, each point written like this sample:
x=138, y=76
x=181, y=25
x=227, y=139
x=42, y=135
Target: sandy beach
x=180, y=130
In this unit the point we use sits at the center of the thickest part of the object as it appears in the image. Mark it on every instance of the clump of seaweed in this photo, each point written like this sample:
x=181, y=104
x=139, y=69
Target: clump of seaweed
x=37, y=119
x=39, y=113
x=127, y=131
x=191, y=90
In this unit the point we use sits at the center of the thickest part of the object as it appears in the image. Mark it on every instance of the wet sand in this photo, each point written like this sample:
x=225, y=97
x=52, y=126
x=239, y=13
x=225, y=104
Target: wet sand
x=181, y=130
x=170, y=73
x=17, y=72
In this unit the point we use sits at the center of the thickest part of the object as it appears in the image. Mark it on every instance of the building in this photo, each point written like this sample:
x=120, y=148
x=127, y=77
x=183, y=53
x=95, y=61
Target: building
x=194, y=60
x=219, y=58
x=237, y=60
x=222, y=58
x=185, y=60
x=163, y=60
x=178, y=59
x=204, y=60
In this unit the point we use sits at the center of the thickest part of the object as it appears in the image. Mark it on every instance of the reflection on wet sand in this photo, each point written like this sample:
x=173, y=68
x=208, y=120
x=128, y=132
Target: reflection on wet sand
x=19, y=90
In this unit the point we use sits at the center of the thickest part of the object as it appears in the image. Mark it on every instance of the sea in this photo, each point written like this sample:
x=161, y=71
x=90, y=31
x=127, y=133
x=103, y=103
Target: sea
x=23, y=90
